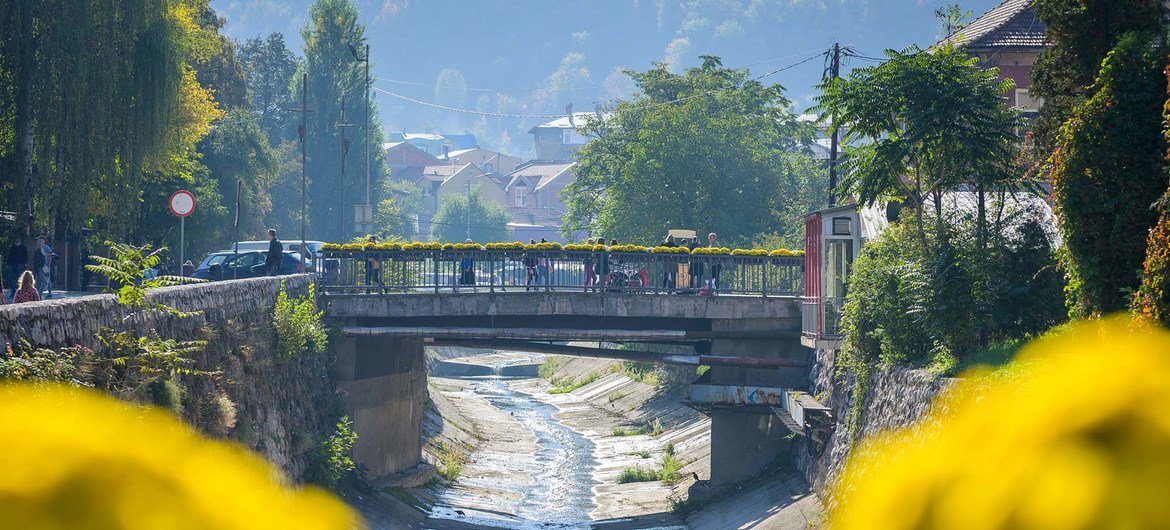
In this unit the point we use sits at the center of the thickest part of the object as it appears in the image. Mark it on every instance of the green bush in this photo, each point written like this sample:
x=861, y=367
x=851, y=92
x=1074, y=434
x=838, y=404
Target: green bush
x=330, y=459
x=25, y=363
x=298, y=324
x=450, y=461
x=666, y=472
x=166, y=394
x=565, y=389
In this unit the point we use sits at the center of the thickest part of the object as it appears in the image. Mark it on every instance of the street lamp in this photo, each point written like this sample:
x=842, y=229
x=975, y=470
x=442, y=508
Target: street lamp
x=367, y=210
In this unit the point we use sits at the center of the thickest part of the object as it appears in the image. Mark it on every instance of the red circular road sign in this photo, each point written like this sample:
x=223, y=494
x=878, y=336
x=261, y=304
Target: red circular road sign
x=182, y=203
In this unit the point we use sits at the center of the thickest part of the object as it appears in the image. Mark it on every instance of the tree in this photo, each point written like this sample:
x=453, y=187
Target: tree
x=1107, y=170
x=270, y=67
x=1079, y=34
x=396, y=215
x=710, y=150
x=237, y=149
x=332, y=38
x=488, y=221
x=930, y=120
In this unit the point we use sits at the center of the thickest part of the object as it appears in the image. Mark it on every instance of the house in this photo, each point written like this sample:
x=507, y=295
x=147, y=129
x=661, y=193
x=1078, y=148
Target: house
x=434, y=144
x=558, y=140
x=1009, y=37
x=532, y=196
x=441, y=180
x=488, y=161
x=401, y=155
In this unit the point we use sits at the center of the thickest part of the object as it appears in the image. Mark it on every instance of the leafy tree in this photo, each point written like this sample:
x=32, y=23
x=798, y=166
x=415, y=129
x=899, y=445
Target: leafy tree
x=711, y=150
x=237, y=149
x=1107, y=169
x=332, y=37
x=488, y=220
x=396, y=215
x=1079, y=35
x=930, y=121
x=270, y=67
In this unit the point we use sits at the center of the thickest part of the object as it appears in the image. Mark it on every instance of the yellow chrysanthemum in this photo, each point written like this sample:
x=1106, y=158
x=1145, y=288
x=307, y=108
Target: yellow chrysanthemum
x=1075, y=434
x=72, y=459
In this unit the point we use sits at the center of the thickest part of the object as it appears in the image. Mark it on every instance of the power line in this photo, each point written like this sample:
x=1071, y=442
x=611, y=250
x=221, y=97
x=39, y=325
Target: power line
x=469, y=111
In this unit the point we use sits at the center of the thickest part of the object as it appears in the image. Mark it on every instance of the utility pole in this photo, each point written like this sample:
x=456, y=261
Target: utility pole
x=301, y=131
x=368, y=210
x=835, y=71
x=344, y=154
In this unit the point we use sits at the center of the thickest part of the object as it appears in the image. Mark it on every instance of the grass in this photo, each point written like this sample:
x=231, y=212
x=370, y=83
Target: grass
x=548, y=369
x=643, y=454
x=615, y=396
x=645, y=373
x=666, y=472
x=450, y=461
x=653, y=429
x=566, y=388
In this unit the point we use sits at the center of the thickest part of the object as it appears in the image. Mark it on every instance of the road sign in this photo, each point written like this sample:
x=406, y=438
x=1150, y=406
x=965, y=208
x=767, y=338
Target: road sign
x=182, y=203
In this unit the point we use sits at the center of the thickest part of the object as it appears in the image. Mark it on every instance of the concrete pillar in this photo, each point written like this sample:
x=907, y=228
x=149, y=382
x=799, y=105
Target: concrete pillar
x=383, y=382
x=743, y=444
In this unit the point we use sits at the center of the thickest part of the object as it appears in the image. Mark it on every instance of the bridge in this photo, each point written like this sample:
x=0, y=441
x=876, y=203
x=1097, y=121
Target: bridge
x=389, y=304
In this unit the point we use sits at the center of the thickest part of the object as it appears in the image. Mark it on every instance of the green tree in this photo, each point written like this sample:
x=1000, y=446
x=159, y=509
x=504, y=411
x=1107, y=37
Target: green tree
x=270, y=67
x=923, y=123
x=1079, y=35
x=710, y=150
x=237, y=149
x=488, y=221
x=396, y=216
x=1107, y=170
x=332, y=38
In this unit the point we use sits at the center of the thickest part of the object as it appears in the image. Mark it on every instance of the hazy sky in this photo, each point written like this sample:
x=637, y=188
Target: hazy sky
x=536, y=56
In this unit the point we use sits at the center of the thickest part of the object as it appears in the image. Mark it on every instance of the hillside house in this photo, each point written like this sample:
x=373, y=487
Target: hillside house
x=487, y=160
x=558, y=140
x=1009, y=37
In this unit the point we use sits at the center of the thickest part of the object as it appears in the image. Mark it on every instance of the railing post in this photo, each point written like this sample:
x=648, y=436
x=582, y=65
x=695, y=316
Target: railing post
x=435, y=265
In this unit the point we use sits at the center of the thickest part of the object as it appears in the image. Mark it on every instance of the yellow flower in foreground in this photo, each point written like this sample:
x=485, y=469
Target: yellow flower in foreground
x=74, y=459
x=1075, y=434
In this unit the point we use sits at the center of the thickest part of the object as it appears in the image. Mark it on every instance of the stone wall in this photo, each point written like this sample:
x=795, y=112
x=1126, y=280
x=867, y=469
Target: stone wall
x=897, y=397
x=282, y=407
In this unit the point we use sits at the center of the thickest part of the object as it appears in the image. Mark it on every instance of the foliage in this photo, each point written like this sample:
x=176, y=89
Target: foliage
x=574, y=385
x=298, y=324
x=237, y=149
x=395, y=215
x=270, y=66
x=1107, y=169
x=140, y=462
x=130, y=363
x=26, y=363
x=128, y=270
x=488, y=220
x=1036, y=436
x=1078, y=36
x=333, y=75
x=930, y=121
x=166, y=394
x=450, y=461
x=711, y=148
x=1152, y=301
x=330, y=459
x=666, y=472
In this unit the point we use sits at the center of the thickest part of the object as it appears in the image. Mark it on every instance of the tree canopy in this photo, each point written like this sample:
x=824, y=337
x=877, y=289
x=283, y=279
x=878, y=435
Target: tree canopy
x=488, y=221
x=711, y=149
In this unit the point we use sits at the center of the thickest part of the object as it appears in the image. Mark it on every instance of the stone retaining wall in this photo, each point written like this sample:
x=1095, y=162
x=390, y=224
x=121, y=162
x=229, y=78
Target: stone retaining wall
x=282, y=406
x=897, y=397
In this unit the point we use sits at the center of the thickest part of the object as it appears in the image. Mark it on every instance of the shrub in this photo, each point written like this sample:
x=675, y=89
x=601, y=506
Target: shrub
x=25, y=363
x=329, y=460
x=166, y=394
x=298, y=324
x=450, y=461
x=219, y=414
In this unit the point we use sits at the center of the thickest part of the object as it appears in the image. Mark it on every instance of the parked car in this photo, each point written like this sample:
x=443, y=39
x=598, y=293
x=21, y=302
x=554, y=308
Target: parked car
x=250, y=265
x=203, y=271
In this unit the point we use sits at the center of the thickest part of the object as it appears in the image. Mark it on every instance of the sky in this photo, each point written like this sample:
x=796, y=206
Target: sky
x=535, y=57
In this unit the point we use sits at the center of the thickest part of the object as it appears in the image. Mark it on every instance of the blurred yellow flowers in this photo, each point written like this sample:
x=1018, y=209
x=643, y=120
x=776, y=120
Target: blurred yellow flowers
x=74, y=459
x=1075, y=434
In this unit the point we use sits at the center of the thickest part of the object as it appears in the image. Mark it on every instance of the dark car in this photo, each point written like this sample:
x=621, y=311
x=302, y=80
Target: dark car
x=215, y=259
x=250, y=265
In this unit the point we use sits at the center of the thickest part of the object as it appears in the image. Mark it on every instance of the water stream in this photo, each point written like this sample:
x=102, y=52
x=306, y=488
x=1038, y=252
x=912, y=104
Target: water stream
x=559, y=496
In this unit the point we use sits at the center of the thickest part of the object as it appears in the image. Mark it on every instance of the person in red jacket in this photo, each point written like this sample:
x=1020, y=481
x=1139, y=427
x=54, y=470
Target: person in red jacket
x=26, y=290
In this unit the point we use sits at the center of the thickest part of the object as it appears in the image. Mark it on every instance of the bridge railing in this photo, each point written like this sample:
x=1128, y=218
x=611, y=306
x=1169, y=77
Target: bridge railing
x=409, y=271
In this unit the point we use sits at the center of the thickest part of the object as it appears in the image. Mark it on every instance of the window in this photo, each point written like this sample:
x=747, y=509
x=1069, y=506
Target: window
x=838, y=262
x=521, y=196
x=427, y=191
x=841, y=226
x=487, y=167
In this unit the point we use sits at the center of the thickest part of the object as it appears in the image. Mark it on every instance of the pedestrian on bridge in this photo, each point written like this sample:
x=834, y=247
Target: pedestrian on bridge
x=668, y=277
x=466, y=269
x=275, y=254
x=374, y=268
x=602, y=267
x=712, y=286
x=590, y=272
x=529, y=267
x=542, y=267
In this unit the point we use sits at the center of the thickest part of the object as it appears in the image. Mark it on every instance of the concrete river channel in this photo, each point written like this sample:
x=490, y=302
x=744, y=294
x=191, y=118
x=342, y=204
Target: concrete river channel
x=531, y=471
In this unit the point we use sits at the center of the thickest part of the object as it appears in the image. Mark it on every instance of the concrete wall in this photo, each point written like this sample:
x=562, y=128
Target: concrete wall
x=561, y=303
x=897, y=397
x=383, y=384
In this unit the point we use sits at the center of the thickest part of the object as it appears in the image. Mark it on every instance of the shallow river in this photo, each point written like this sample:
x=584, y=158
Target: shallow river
x=559, y=496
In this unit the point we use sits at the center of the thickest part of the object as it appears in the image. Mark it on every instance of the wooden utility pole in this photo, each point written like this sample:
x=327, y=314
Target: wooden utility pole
x=835, y=71
x=304, y=110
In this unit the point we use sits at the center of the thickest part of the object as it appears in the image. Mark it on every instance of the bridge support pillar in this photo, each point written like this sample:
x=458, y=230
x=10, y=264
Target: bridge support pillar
x=743, y=444
x=383, y=383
